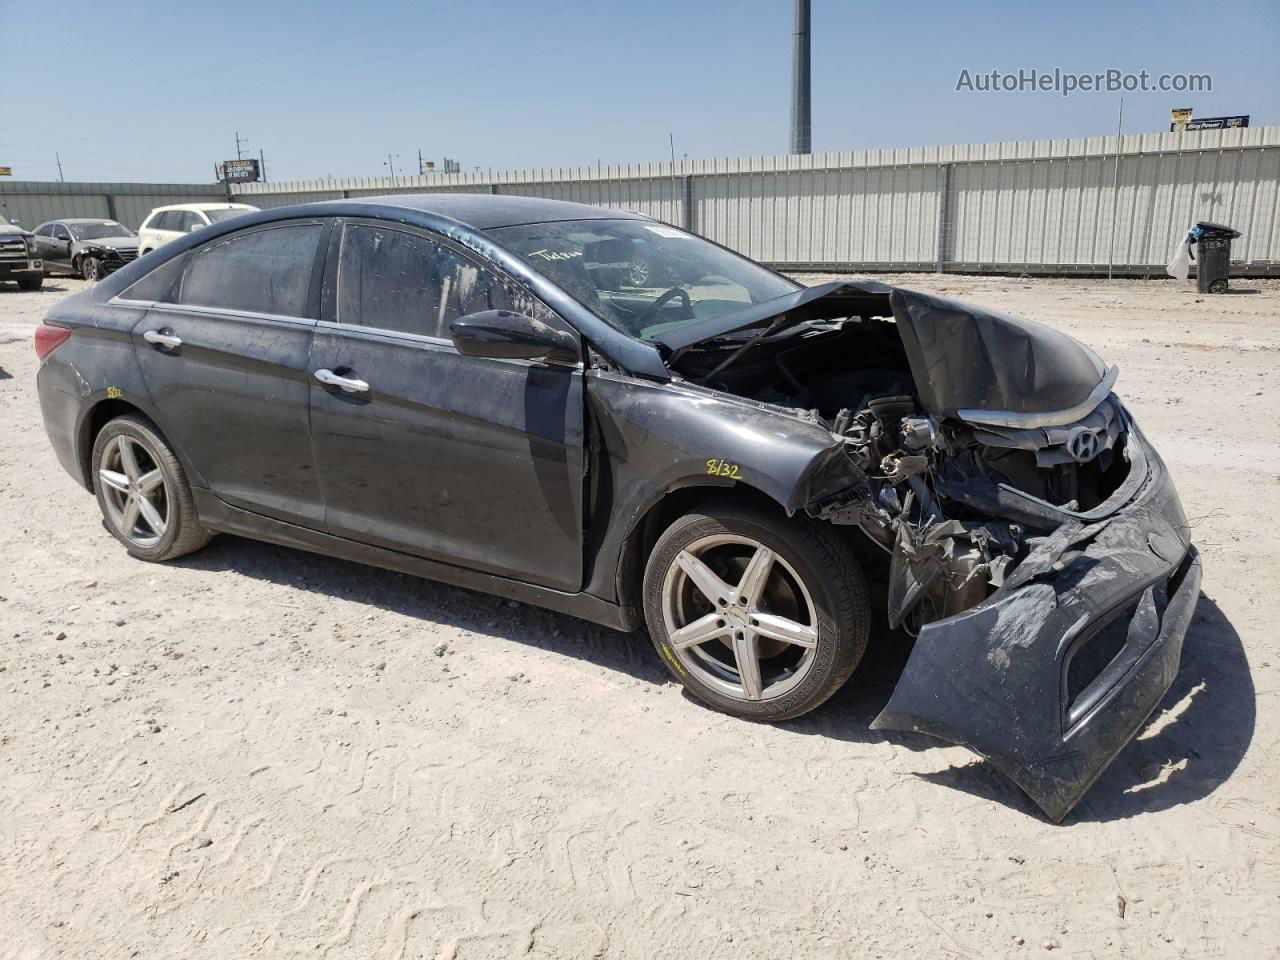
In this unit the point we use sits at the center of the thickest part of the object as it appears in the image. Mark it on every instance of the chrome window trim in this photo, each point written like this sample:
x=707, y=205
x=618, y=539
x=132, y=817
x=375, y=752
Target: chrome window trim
x=382, y=334
x=223, y=312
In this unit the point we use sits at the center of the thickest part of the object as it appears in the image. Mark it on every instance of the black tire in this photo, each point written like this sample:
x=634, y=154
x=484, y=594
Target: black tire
x=30, y=283
x=183, y=532
x=824, y=563
x=90, y=268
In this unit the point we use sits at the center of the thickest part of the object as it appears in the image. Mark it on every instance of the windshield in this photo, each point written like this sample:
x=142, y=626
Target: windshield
x=643, y=277
x=96, y=231
x=224, y=214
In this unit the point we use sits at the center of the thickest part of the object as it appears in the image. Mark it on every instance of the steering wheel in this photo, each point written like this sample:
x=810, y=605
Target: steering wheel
x=661, y=302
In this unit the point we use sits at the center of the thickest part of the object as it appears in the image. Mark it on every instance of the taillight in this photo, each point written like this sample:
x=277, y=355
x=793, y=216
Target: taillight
x=48, y=336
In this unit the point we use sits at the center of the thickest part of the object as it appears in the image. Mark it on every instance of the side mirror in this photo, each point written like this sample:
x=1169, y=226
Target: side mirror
x=194, y=227
x=503, y=334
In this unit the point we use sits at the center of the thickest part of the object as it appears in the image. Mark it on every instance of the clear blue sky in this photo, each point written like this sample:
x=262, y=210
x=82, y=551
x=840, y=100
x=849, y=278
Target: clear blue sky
x=156, y=90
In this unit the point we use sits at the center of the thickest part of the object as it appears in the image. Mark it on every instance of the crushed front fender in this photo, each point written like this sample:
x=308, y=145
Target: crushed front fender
x=1052, y=675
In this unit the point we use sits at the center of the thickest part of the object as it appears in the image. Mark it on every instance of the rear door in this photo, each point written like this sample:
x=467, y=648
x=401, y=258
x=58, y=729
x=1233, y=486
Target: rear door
x=471, y=461
x=224, y=354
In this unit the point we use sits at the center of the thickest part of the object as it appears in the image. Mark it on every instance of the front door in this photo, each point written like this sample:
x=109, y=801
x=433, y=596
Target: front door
x=472, y=461
x=224, y=353
x=57, y=251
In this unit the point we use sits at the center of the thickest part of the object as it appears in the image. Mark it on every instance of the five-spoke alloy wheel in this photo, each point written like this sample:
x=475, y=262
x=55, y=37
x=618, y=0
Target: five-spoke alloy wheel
x=133, y=491
x=143, y=492
x=756, y=614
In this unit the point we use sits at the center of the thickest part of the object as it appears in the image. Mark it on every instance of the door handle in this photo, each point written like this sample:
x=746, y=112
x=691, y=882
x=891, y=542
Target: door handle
x=166, y=340
x=349, y=384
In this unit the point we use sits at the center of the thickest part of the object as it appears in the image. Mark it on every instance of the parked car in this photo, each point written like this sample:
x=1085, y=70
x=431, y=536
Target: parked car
x=19, y=258
x=85, y=248
x=169, y=223
x=445, y=385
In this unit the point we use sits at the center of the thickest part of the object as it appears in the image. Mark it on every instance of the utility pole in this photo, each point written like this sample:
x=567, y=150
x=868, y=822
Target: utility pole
x=392, y=167
x=419, y=163
x=801, y=126
x=58, y=157
x=238, y=144
x=262, y=166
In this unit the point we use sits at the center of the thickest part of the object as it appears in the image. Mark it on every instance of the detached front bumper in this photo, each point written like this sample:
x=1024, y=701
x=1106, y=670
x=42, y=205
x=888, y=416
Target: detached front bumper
x=1052, y=675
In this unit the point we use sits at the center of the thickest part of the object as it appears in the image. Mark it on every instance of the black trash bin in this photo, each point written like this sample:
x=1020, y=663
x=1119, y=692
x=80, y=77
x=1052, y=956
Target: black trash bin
x=1213, y=256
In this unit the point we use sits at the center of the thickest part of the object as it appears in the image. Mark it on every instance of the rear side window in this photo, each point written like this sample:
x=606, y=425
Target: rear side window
x=169, y=220
x=398, y=281
x=267, y=271
x=161, y=284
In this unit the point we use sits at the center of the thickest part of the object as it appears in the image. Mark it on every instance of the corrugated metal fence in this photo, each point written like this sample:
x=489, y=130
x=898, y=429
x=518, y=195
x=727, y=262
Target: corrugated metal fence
x=1085, y=205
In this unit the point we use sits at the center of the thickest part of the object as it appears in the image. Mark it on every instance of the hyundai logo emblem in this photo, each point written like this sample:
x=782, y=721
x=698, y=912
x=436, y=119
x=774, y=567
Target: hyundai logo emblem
x=1083, y=445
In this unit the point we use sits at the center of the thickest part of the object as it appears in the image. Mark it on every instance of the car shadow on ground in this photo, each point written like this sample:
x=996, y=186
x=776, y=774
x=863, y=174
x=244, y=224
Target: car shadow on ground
x=1194, y=741
x=433, y=602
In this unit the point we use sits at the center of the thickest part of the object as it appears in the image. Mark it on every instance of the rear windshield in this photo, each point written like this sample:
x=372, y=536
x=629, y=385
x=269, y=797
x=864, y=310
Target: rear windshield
x=217, y=215
x=644, y=278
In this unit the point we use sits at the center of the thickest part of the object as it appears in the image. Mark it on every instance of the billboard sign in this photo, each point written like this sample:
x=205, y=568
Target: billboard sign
x=1218, y=123
x=239, y=171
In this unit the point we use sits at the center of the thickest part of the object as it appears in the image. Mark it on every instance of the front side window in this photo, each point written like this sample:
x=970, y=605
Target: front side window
x=642, y=277
x=60, y=232
x=399, y=281
x=267, y=271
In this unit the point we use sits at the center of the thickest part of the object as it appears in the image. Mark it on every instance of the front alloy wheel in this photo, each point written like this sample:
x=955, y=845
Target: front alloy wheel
x=91, y=268
x=754, y=638
x=758, y=615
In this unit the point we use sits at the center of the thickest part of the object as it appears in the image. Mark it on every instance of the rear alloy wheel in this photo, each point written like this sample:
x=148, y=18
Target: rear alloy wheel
x=143, y=492
x=758, y=616
x=91, y=268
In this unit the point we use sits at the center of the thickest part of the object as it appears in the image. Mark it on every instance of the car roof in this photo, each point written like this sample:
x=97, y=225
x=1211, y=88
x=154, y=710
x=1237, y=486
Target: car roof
x=485, y=211
x=205, y=206
x=83, y=220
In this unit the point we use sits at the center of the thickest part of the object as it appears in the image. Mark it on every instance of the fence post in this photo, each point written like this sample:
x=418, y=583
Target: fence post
x=944, y=213
x=686, y=202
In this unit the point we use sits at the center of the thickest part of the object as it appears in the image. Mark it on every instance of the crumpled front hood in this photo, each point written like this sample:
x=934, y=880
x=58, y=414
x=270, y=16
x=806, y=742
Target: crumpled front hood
x=967, y=361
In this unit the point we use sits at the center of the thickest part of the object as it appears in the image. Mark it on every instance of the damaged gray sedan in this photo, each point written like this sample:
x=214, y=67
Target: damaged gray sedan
x=598, y=413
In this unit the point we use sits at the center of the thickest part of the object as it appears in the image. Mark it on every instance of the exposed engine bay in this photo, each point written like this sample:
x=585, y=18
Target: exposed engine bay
x=956, y=502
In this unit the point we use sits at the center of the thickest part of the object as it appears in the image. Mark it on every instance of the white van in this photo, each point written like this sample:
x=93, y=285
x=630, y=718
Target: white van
x=168, y=223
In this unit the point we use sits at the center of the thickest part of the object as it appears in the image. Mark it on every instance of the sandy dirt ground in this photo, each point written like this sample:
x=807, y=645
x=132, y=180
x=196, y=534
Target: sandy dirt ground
x=257, y=752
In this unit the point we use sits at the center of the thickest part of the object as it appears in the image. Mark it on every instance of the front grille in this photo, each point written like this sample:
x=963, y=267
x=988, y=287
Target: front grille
x=127, y=255
x=13, y=248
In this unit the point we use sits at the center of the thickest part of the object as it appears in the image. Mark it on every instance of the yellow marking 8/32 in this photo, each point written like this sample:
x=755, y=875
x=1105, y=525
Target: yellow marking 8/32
x=722, y=468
